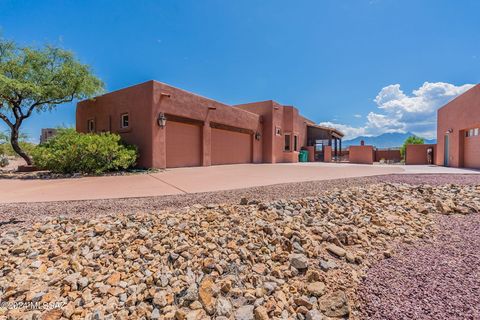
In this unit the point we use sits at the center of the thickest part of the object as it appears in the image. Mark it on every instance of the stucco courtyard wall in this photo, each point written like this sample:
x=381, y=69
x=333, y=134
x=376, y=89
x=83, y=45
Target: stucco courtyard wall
x=417, y=153
x=361, y=154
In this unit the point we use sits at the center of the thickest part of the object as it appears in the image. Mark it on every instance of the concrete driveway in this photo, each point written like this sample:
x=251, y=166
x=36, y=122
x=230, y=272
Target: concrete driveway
x=191, y=180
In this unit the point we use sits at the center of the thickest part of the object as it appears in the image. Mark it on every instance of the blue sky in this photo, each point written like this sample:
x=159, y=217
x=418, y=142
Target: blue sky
x=360, y=65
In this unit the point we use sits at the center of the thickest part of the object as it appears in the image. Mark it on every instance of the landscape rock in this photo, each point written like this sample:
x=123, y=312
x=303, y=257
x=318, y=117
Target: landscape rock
x=244, y=313
x=313, y=315
x=316, y=288
x=334, y=304
x=299, y=261
x=293, y=259
x=336, y=250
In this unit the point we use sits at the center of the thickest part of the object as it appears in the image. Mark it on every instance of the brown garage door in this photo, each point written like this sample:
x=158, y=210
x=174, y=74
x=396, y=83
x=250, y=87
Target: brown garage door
x=184, y=144
x=231, y=147
x=471, y=147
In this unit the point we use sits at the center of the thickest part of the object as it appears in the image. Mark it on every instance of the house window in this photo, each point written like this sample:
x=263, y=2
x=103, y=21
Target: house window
x=91, y=125
x=287, y=142
x=475, y=132
x=470, y=133
x=124, y=121
x=295, y=143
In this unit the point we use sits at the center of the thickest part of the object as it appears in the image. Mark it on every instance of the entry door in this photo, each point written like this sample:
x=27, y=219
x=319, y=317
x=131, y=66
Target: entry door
x=445, y=153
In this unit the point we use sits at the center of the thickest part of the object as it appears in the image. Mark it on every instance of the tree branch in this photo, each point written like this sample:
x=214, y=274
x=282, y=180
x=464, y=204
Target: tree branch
x=52, y=101
x=6, y=120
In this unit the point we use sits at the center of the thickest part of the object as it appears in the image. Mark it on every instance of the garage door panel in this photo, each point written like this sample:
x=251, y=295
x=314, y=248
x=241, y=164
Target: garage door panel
x=231, y=147
x=471, y=158
x=183, y=145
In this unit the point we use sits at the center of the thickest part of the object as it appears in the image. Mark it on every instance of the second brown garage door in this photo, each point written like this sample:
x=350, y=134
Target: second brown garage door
x=231, y=147
x=471, y=149
x=184, y=144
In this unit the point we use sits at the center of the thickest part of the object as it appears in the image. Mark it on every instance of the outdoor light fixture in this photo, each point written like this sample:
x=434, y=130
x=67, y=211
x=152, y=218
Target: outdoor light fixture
x=257, y=135
x=449, y=131
x=161, y=120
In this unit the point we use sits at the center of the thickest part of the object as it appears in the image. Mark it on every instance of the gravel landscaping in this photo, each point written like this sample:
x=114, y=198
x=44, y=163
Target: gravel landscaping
x=436, y=279
x=300, y=258
x=26, y=213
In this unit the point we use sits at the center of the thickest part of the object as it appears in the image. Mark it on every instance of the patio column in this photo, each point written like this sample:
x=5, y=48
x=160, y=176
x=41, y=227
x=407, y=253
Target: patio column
x=335, y=152
x=340, y=142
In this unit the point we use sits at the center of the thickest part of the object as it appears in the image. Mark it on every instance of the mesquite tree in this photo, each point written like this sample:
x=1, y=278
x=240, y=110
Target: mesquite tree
x=39, y=79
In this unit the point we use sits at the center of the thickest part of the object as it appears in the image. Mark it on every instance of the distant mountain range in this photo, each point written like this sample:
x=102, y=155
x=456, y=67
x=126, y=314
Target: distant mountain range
x=386, y=140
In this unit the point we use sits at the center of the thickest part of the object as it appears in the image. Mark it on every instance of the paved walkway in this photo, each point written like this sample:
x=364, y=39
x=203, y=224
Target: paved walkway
x=191, y=180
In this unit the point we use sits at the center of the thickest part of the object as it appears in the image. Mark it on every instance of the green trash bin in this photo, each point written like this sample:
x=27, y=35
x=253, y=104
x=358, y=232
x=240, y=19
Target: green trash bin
x=303, y=156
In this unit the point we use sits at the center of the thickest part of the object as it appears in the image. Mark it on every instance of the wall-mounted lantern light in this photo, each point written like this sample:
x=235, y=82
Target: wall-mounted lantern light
x=449, y=131
x=161, y=120
x=258, y=135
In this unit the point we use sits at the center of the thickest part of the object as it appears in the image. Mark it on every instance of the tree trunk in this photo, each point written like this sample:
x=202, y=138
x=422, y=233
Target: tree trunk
x=16, y=147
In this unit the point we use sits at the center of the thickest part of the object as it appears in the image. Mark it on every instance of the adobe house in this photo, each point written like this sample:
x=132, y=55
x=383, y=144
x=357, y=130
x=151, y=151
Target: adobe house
x=175, y=128
x=458, y=136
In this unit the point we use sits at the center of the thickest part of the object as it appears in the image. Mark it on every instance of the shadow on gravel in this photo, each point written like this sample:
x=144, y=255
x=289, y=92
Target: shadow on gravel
x=11, y=221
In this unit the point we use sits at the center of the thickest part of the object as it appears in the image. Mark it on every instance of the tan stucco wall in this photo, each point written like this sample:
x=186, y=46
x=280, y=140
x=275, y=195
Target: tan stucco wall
x=107, y=109
x=417, y=153
x=361, y=154
x=144, y=102
x=290, y=122
x=458, y=115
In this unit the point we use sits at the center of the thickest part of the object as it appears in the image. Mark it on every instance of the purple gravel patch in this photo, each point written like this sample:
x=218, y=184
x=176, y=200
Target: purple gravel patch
x=439, y=279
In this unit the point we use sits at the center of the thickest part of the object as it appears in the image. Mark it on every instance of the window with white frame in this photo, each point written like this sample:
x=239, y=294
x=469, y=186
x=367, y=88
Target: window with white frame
x=125, y=121
x=475, y=132
x=470, y=133
x=91, y=125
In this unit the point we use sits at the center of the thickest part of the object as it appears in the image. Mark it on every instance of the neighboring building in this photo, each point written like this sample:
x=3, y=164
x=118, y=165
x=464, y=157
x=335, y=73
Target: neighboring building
x=47, y=133
x=458, y=136
x=175, y=128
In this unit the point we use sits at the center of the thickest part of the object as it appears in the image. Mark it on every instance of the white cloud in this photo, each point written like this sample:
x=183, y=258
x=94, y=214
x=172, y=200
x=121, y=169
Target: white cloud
x=357, y=116
x=399, y=112
x=350, y=132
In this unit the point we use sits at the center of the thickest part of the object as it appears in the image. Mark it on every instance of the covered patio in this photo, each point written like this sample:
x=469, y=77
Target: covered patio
x=324, y=140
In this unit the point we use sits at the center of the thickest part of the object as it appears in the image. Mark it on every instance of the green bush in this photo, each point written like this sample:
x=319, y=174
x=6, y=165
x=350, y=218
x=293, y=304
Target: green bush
x=73, y=152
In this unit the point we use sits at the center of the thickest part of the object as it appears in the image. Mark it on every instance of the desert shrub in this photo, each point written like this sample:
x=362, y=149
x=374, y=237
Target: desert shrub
x=73, y=152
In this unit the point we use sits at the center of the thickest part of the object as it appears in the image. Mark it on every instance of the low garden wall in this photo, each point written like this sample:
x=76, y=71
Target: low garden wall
x=417, y=153
x=361, y=154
